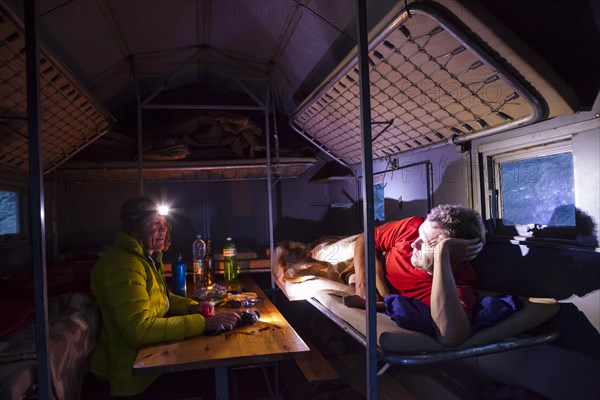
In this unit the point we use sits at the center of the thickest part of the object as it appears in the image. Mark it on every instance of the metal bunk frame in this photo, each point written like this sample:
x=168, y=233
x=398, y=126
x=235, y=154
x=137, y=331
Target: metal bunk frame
x=44, y=384
x=37, y=196
x=414, y=107
x=260, y=106
x=373, y=351
x=433, y=358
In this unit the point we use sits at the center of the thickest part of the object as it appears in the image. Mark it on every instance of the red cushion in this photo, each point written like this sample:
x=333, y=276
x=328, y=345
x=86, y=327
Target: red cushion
x=66, y=277
x=14, y=312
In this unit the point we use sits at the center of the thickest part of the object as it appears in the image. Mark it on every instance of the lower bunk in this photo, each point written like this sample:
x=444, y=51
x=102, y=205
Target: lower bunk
x=73, y=327
x=318, y=283
x=399, y=346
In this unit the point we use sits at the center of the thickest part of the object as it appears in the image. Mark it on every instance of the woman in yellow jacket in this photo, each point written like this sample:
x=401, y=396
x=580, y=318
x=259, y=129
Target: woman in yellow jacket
x=137, y=308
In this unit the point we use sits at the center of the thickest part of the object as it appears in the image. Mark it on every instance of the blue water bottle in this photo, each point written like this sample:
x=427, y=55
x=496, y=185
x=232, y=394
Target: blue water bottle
x=179, y=286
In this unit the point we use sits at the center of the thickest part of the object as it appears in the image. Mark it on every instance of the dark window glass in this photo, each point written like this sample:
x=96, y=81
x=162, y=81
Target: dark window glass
x=539, y=191
x=9, y=213
x=379, y=202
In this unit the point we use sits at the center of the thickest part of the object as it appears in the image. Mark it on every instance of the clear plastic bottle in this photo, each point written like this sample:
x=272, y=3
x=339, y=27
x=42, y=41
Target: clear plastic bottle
x=178, y=278
x=230, y=267
x=198, y=252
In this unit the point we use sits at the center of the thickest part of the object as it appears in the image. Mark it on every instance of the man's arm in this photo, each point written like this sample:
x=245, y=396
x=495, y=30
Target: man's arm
x=359, y=266
x=360, y=279
x=450, y=320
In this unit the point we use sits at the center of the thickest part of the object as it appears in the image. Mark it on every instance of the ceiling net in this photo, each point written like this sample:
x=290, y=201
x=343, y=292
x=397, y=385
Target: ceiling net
x=70, y=118
x=428, y=83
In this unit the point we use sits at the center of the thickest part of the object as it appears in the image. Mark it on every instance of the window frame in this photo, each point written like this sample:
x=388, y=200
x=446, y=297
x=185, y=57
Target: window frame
x=541, y=143
x=528, y=230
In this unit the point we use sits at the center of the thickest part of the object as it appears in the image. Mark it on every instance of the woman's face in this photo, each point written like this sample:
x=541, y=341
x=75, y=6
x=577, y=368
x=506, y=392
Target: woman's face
x=424, y=246
x=153, y=233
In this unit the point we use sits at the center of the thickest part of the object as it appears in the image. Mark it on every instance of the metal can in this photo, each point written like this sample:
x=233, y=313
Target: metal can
x=178, y=279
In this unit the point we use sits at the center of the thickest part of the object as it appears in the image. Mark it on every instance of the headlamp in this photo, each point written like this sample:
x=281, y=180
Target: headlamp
x=162, y=209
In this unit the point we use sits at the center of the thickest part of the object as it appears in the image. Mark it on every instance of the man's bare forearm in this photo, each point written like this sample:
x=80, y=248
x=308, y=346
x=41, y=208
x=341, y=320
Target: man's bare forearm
x=359, y=266
x=450, y=320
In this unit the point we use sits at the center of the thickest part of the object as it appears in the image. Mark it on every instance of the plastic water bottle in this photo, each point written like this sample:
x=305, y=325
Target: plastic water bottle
x=178, y=280
x=230, y=268
x=198, y=252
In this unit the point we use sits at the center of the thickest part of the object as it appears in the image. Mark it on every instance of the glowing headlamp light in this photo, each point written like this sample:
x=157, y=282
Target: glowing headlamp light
x=162, y=209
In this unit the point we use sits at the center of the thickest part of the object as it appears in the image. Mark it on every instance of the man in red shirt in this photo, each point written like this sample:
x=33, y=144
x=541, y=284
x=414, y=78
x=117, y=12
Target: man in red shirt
x=428, y=260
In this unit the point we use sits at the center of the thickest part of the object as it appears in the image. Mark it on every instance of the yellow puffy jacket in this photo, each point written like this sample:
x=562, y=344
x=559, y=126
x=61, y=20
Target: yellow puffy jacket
x=133, y=301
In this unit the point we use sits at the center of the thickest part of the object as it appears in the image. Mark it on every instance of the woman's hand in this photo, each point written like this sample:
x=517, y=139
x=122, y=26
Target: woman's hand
x=215, y=322
x=206, y=308
x=226, y=320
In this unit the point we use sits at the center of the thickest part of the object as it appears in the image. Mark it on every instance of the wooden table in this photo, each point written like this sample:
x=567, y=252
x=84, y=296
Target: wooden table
x=272, y=338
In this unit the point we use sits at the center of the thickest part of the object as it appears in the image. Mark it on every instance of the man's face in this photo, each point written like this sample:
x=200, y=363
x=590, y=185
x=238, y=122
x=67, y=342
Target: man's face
x=153, y=233
x=423, y=247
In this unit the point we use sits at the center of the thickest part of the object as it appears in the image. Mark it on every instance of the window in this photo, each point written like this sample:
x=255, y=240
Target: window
x=379, y=202
x=13, y=215
x=532, y=191
x=541, y=183
x=538, y=191
x=9, y=213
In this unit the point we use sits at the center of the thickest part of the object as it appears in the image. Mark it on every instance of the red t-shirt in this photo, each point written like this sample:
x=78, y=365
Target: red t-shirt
x=394, y=238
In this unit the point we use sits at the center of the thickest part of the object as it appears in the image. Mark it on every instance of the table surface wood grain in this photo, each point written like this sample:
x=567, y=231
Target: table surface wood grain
x=272, y=338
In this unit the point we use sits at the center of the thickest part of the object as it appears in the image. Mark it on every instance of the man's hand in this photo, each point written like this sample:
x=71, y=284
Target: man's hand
x=359, y=287
x=461, y=250
x=474, y=247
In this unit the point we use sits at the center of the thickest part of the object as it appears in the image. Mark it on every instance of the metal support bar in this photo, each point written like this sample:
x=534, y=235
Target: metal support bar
x=383, y=370
x=142, y=105
x=367, y=186
x=269, y=181
x=172, y=77
x=241, y=85
x=314, y=143
x=36, y=202
x=222, y=383
x=191, y=166
x=201, y=107
x=268, y=382
x=387, y=126
x=139, y=138
x=54, y=217
x=430, y=202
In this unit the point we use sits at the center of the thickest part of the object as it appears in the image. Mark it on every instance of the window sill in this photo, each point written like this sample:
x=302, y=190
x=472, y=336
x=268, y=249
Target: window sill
x=543, y=242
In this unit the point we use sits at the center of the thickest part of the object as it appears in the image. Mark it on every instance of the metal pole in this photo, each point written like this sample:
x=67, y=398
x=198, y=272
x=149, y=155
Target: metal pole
x=36, y=201
x=367, y=187
x=269, y=178
x=139, y=139
x=54, y=217
x=316, y=144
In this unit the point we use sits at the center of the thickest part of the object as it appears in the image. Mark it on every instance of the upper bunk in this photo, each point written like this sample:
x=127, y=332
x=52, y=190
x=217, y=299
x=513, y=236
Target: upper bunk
x=191, y=134
x=184, y=171
x=441, y=72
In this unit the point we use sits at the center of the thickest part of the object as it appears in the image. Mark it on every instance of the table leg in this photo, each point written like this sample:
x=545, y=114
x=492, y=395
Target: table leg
x=221, y=383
